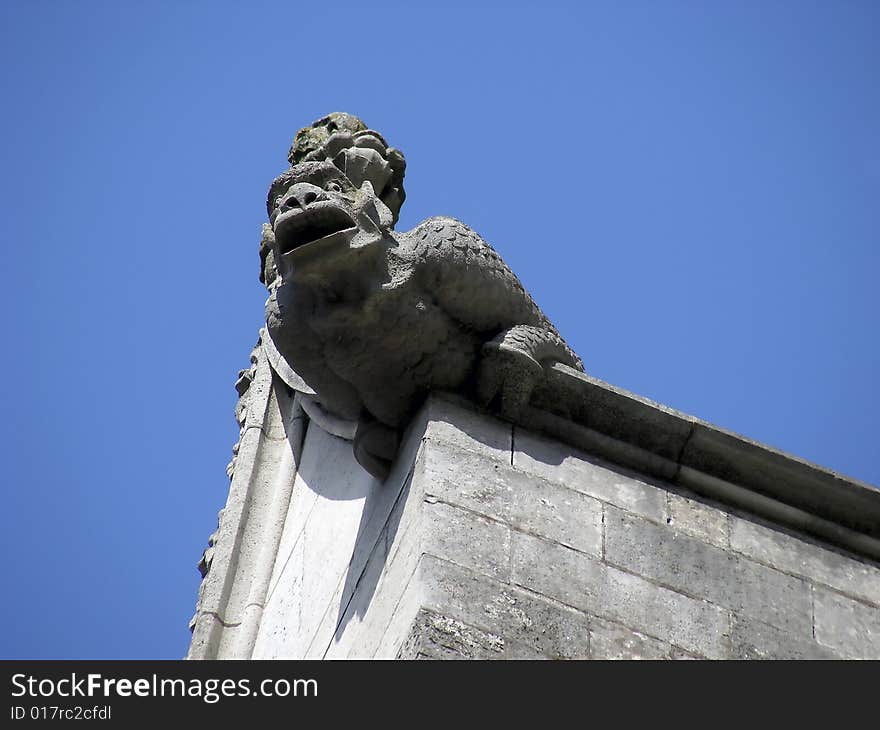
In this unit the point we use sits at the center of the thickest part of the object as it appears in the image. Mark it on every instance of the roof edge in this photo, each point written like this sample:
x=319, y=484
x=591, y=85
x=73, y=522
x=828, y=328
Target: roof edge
x=638, y=433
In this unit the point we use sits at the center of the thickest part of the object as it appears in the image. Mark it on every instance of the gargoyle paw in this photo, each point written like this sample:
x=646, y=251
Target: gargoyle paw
x=507, y=375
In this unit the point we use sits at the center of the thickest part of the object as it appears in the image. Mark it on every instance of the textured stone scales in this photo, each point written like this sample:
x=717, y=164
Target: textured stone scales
x=373, y=319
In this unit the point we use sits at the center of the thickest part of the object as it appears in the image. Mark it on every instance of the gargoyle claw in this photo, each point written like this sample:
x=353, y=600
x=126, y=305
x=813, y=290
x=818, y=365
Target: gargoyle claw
x=507, y=375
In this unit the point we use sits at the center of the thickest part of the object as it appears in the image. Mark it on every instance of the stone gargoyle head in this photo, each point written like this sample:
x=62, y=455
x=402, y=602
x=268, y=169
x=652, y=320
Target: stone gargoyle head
x=343, y=192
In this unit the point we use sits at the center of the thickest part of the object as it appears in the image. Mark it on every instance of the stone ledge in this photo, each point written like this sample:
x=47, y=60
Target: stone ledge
x=599, y=554
x=637, y=433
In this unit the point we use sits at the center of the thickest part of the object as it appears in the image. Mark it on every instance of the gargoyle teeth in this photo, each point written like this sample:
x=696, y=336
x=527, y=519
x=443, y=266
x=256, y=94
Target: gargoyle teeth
x=297, y=228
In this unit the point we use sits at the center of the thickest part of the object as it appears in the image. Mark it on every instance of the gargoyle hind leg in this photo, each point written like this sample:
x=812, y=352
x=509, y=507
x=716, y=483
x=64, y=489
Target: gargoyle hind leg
x=513, y=362
x=375, y=446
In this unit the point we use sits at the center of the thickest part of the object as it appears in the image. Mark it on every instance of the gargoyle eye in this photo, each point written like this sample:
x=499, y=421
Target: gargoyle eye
x=333, y=187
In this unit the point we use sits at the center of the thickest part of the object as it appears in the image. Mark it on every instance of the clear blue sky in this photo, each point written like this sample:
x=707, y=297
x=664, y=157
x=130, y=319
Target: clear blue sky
x=689, y=189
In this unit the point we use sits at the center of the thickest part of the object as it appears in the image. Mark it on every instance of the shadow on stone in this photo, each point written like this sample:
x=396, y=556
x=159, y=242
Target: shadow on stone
x=362, y=577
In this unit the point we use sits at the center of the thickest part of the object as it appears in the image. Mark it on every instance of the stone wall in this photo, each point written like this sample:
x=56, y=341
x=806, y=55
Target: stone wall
x=532, y=550
x=491, y=541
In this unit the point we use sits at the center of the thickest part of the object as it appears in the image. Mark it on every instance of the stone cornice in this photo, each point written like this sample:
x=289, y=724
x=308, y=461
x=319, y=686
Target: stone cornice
x=640, y=434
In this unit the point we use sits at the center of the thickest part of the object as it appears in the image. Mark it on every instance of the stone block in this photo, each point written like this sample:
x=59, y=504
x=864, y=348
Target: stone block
x=682, y=655
x=395, y=632
x=704, y=571
x=522, y=618
x=577, y=580
x=327, y=532
x=435, y=636
x=752, y=639
x=457, y=425
x=382, y=518
x=383, y=585
x=467, y=539
x=705, y=522
x=560, y=464
x=523, y=501
x=849, y=627
x=849, y=575
x=613, y=641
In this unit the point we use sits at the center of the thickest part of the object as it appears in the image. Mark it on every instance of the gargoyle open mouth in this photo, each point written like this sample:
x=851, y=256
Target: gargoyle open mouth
x=300, y=227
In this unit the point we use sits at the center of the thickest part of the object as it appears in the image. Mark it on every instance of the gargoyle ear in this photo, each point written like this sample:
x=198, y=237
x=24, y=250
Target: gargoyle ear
x=362, y=164
x=371, y=208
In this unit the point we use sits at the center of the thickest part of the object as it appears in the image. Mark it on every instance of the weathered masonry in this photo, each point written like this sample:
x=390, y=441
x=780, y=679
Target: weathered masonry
x=424, y=469
x=610, y=527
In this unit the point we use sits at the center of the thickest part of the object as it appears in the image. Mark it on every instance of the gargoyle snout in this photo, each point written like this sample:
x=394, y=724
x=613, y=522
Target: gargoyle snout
x=300, y=195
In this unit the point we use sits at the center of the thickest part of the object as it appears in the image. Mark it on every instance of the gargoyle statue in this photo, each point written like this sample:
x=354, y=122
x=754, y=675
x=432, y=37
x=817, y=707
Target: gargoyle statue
x=373, y=319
